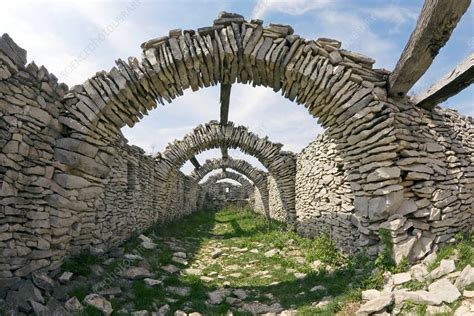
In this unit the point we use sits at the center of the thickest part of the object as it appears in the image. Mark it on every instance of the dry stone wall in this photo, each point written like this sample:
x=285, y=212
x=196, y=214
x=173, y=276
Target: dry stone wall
x=47, y=209
x=31, y=235
x=256, y=202
x=324, y=197
x=276, y=208
x=132, y=196
x=437, y=171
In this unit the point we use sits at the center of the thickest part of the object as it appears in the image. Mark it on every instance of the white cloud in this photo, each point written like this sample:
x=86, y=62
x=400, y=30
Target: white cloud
x=293, y=7
x=356, y=34
x=396, y=15
x=173, y=121
x=268, y=113
x=56, y=36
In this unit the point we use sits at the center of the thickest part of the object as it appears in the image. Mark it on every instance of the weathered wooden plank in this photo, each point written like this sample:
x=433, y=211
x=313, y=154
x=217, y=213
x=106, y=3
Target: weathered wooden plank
x=225, y=153
x=195, y=162
x=435, y=24
x=225, y=100
x=451, y=84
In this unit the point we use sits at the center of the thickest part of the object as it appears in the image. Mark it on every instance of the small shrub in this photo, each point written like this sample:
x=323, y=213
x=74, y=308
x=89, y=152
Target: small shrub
x=414, y=285
x=322, y=248
x=403, y=266
x=384, y=259
x=81, y=264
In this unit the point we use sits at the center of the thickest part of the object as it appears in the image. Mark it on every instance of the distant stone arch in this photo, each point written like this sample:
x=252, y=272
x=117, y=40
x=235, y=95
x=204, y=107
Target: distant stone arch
x=281, y=164
x=258, y=177
x=255, y=175
x=247, y=186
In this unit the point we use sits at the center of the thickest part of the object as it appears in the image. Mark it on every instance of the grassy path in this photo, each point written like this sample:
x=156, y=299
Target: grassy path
x=229, y=261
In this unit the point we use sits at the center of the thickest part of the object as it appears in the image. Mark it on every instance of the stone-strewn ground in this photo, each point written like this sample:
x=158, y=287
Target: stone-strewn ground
x=233, y=262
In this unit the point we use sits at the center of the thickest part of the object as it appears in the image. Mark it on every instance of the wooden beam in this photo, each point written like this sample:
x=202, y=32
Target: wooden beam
x=435, y=24
x=225, y=156
x=225, y=153
x=225, y=100
x=195, y=162
x=451, y=84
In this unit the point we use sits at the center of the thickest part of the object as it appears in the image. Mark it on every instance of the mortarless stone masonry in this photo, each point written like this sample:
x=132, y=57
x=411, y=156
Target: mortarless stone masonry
x=68, y=180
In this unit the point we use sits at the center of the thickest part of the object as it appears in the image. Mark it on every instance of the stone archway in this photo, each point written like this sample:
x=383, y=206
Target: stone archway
x=258, y=177
x=220, y=192
x=281, y=164
x=338, y=87
x=326, y=79
x=246, y=184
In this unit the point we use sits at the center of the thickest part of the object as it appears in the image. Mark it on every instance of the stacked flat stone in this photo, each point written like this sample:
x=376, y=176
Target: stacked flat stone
x=437, y=174
x=276, y=206
x=325, y=199
x=132, y=196
x=29, y=208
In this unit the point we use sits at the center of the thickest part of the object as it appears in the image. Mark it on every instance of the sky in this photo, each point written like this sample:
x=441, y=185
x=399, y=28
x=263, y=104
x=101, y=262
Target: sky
x=56, y=34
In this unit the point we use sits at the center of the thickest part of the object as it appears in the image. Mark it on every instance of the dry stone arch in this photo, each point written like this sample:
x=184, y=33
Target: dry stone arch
x=338, y=87
x=240, y=165
x=245, y=184
x=280, y=163
x=328, y=80
x=220, y=194
x=258, y=177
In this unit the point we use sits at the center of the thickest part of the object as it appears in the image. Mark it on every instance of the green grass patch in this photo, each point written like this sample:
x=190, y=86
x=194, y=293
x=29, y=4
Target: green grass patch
x=80, y=264
x=464, y=248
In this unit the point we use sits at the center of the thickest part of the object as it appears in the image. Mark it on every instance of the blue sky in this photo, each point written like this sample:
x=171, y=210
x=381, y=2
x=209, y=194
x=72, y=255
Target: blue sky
x=55, y=33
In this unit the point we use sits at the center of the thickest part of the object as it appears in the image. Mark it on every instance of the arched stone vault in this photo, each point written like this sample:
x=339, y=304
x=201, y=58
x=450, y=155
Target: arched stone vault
x=337, y=86
x=258, y=177
x=332, y=83
x=229, y=175
x=280, y=164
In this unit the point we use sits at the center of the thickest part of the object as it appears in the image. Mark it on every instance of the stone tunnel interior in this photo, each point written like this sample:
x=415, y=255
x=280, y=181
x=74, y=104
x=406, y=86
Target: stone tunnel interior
x=71, y=182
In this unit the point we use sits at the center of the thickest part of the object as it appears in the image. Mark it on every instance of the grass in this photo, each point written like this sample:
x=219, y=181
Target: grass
x=464, y=248
x=245, y=237
x=81, y=264
x=245, y=229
